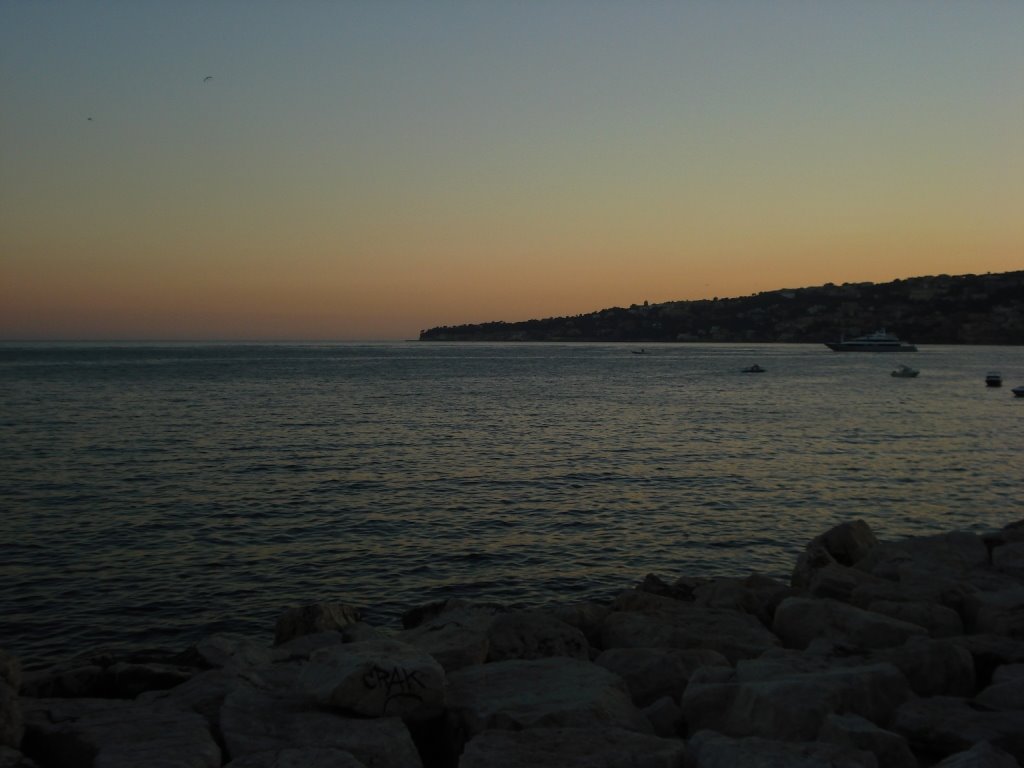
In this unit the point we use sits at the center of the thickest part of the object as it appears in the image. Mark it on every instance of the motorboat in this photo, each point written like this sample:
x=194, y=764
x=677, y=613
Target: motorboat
x=879, y=341
x=905, y=372
x=993, y=379
x=640, y=351
x=755, y=368
x=1018, y=391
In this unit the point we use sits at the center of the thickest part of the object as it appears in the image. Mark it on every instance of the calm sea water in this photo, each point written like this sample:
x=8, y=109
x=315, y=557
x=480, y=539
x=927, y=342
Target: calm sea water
x=152, y=494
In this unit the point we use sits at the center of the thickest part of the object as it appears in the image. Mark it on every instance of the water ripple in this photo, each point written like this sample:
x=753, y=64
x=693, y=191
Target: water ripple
x=153, y=494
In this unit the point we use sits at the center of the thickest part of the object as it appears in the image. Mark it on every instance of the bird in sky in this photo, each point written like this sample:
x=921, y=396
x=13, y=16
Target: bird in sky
x=208, y=77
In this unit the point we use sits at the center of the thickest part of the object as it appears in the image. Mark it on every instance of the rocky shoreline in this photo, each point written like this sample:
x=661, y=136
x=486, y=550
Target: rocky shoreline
x=898, y=654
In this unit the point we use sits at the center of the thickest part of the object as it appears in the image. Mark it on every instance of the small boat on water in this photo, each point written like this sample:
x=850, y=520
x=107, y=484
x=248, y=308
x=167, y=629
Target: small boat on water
x=905, y=372
x=879, y=341
x=1018, y=391
x=993, y=379
x=755, y=368
x=640, y=351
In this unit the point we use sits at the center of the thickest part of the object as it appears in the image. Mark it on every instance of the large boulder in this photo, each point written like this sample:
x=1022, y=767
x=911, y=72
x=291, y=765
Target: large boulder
x=947, y=556
x=203, y=694
x=11, y=724
x=590, y=747
x=229, y=652
x=12, y=758
x=1009, y=559
x=1007, y=689
x=773, y=699
x=998, y=611
x=533, y=635
x=315, y=617
x=938, y=620
x=890, y=749
x=708, y=749
x=105, y=673
x=940, y=726
x=254, y=721
x=514, y=695
x=666, y=717
x=309, y=757
x=586, y=617
x=933, y=667
x=754, y=594
x=843, y=582
x=845, y=545
x=376, y=678
x=643, y=620
x=651, y=673
x=457, y=635
x=990, y=652
x=10, y=670
x=116, y=734
x=800, y=620
x=981, y=755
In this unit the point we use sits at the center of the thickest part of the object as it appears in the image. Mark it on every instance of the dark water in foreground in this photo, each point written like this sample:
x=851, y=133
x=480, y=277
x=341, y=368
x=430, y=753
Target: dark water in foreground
x=154, y=494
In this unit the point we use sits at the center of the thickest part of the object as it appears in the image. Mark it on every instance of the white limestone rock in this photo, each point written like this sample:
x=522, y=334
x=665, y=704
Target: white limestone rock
x=316, y=617
x=991, y=652
x=981, y=755
x=298, y=758
x=708, y=749
x=230, y=652
x=666, y=717
x=933, y=667
x=999, y=611
x=947, y=556
x=254, y=721
x=1009, y=559
x=842, y=582
x=1007, y=672
x=1007, y=695
x=938, y=620
x=800, y=620
x=203, y=694
x=943, y=725
x=533, y=635
x=12, y=758
x=644, y=620
x=376, y=678
x=586, y=617
x=516, y=694
x=844, y=545
x=458, y=636
x=771, y=699
x=651, y=673
x=10, y=670
x=128, y=680
x=117, y=734
x=587, y=747
x=755, y=594
x=890, y=749
x=11, y=723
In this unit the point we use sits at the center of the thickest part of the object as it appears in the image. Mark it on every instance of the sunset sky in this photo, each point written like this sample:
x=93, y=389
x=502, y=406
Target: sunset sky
x=365, y=169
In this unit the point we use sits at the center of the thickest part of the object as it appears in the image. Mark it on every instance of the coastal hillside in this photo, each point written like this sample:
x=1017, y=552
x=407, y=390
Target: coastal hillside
x=941, y=309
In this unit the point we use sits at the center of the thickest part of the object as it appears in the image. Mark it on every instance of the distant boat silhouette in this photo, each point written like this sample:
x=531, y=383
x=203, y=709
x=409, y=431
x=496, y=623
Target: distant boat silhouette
x=640, y=351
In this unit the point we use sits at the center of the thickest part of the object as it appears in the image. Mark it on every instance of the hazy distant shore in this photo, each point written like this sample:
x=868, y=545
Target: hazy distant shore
x=966, y=309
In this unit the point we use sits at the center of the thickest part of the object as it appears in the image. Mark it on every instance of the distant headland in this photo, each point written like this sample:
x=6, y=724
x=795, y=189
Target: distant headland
x=941, y=309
